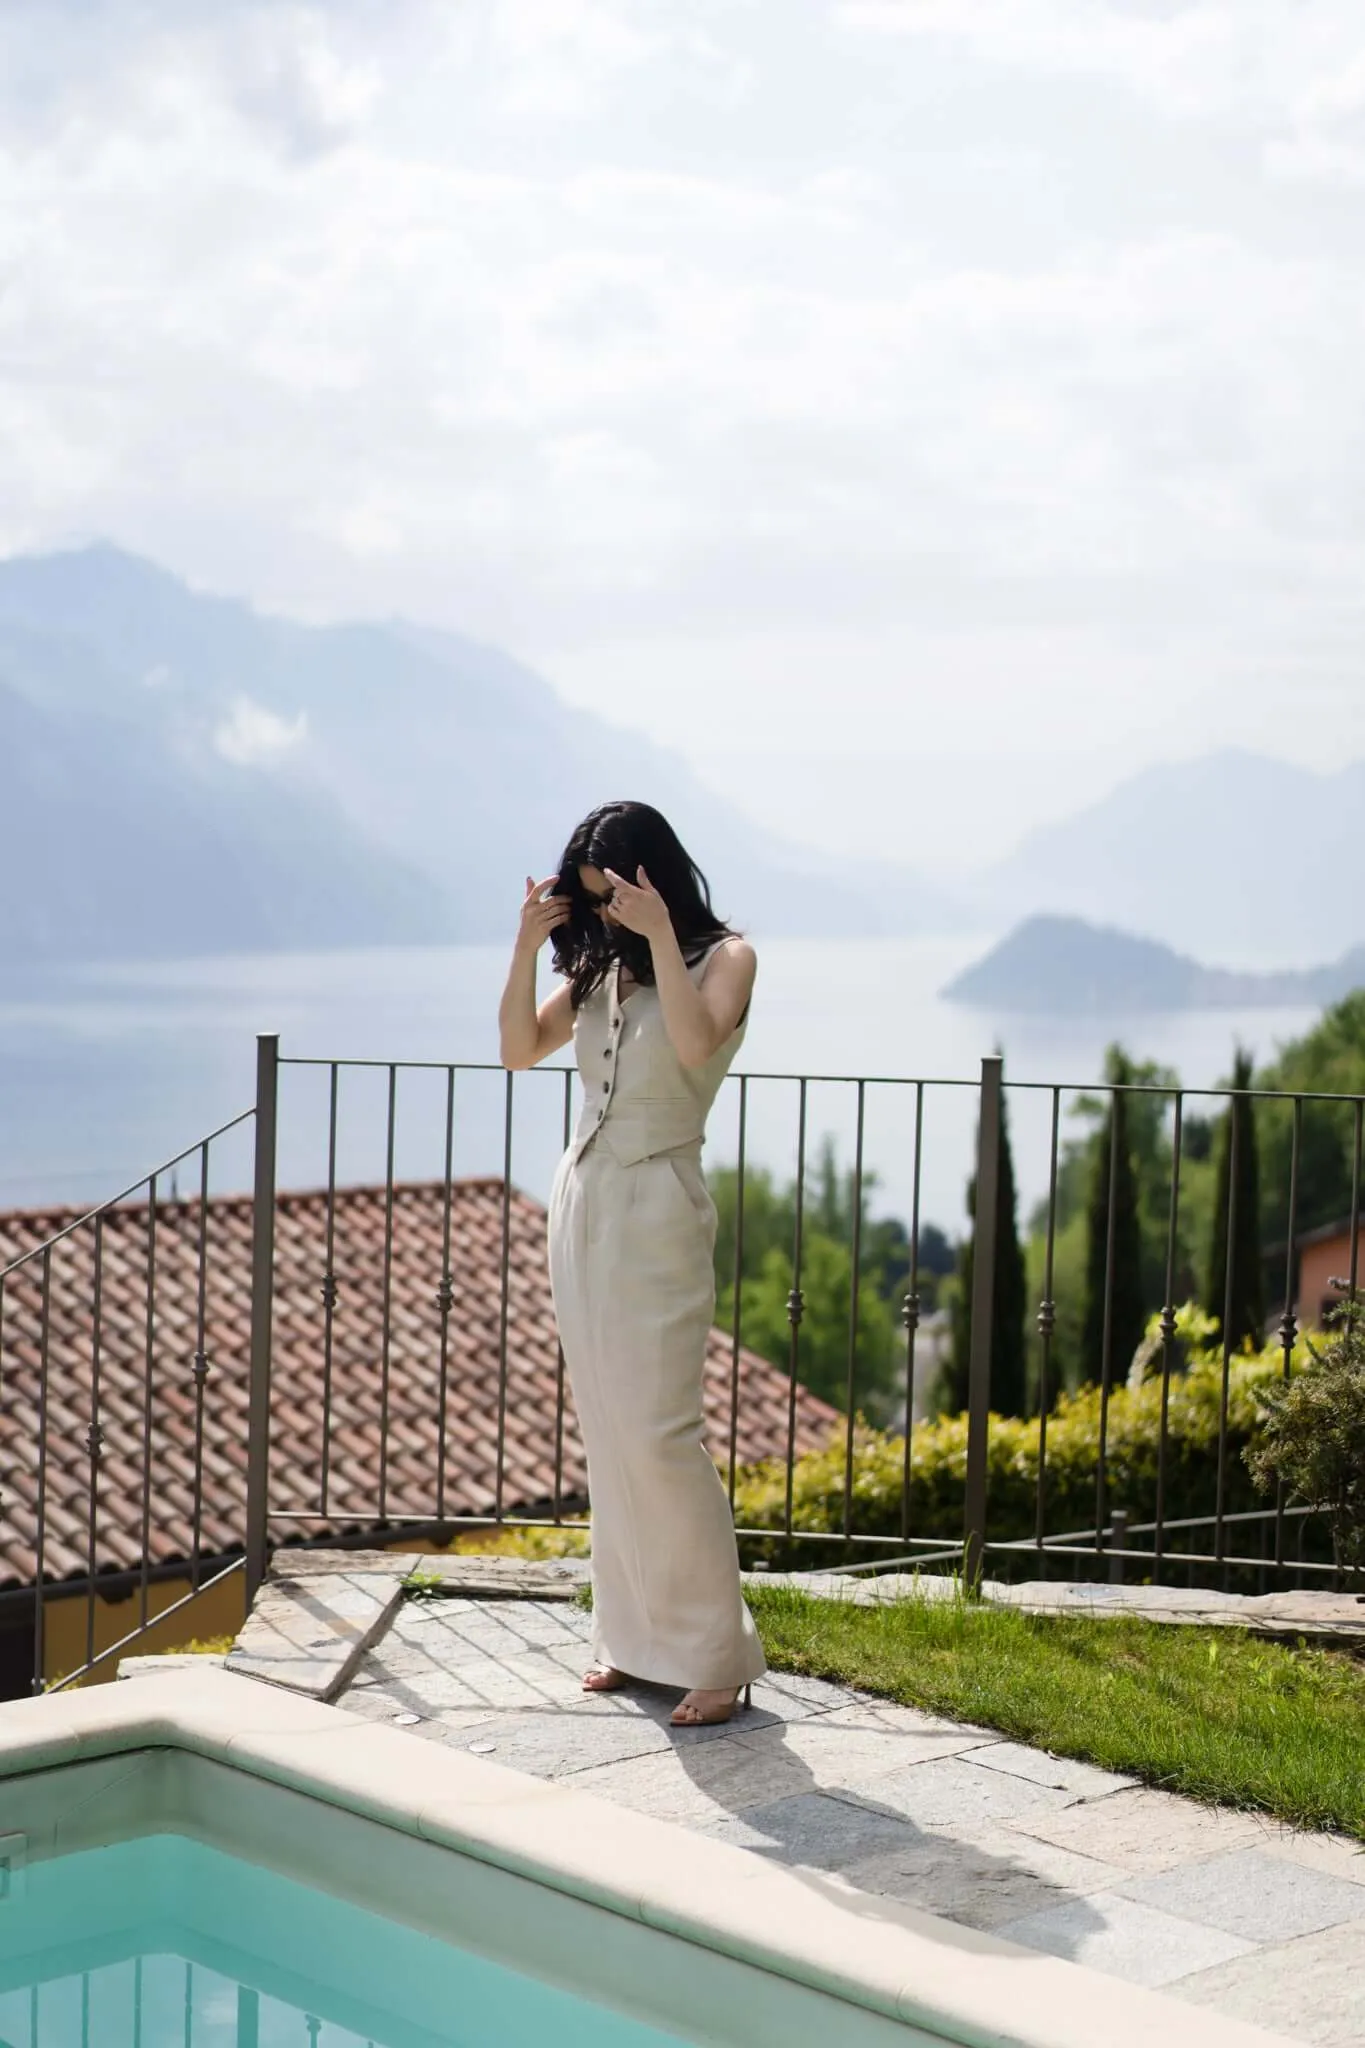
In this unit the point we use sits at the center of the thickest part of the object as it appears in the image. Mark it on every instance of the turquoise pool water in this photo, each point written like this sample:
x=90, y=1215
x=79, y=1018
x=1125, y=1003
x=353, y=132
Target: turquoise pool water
x=163, y=1943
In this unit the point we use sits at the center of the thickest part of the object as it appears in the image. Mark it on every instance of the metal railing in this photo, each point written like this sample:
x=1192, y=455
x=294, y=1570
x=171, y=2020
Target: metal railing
x=432, y=1345
x=93, y=1289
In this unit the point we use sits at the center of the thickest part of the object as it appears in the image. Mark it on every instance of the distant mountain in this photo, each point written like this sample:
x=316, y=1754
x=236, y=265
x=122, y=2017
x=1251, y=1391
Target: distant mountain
x=179, y=773
x=1231, y=856
x=112, y=846
x=1056, y=965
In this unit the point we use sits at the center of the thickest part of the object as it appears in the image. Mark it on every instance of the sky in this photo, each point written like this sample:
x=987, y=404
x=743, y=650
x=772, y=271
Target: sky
x=919, y=412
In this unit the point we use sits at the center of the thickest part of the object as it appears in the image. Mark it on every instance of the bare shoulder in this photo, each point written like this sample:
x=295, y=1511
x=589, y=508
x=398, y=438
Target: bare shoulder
x=734, y=962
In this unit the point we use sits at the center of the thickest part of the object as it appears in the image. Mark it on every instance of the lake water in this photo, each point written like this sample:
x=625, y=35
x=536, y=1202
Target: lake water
x=106, y=1071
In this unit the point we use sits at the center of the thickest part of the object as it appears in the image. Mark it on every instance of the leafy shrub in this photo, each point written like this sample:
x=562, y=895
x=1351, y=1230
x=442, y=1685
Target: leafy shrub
x=1312, y=1434
x=938, y=1462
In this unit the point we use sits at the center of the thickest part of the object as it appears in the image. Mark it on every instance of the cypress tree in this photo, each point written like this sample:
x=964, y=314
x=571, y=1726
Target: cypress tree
x=1247, y=1319
x=1009, y=1384
x=1128, y=1314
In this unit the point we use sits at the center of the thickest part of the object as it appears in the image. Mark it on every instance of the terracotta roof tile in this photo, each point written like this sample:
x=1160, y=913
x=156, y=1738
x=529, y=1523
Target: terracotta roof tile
x=372, y=1477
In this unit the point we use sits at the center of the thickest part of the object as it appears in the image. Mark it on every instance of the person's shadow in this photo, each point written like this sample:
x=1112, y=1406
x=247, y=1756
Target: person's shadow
x=856, y=1849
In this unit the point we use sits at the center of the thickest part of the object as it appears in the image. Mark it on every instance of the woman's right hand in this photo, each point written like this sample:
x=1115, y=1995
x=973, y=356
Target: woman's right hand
x=540, y=914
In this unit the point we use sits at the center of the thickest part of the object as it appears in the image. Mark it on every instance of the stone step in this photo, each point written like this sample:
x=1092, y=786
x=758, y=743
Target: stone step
x=310, y=1633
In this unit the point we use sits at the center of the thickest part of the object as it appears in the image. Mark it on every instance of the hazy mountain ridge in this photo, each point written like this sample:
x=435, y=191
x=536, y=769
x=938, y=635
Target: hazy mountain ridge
x=1232, y=855
x=1056, y=965
x=216, y=779
x=299, y=786
x=121, y=840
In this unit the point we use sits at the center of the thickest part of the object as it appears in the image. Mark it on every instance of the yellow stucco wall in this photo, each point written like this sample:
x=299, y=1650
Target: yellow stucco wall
x=218, y=1612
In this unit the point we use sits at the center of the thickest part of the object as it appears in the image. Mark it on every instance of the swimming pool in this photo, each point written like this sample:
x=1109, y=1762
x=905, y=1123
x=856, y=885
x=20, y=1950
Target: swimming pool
x=171, y=1944
x=202, y=1859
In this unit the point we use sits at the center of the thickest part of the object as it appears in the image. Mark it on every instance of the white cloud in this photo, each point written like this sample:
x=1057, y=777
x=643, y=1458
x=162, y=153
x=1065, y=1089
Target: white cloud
x=1197, y=58
x=253, y=737
x=1014, y=349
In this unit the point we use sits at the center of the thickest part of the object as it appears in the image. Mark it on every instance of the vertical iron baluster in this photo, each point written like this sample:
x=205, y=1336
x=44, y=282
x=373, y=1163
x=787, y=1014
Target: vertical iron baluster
x=85, y=2009
x=2, y=1368
x=386, y=1332
x=329, y=1292
x=248, y=2017
x=910, y=1309
x=1354, y=1271
x=559, y=1348
x=1107, y=1340
x=738, y=1316
x=144, y=1595
x=40, y=1545
x=1168, y=1333
x=137, y=2002
x=94, y=1440
x=188, y=2041
x=33, y=2041
x=201, y=1370
x=503, y=1306
x=985, y=1250
x=1221, y=1497
x=1047, y=1323
x=445, y=1300
x=262, y=1310
x=796, y=1302
x=856, y=1258
x=1289, y=1326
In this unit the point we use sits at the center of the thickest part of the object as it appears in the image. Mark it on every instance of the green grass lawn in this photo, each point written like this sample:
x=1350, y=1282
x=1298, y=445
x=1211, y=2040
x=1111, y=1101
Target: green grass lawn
x=1215, y=1713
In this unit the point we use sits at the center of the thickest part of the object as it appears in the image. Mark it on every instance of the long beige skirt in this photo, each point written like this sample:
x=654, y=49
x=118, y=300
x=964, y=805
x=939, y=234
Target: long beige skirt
x=631, y=1271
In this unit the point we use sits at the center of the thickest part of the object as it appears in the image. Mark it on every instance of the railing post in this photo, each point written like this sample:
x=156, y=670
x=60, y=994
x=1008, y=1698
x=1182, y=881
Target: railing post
x=262, y=1304
x=983, y=1314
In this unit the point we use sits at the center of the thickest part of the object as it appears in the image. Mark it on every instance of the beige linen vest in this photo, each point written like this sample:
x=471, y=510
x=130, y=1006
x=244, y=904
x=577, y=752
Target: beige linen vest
x=639, y=1100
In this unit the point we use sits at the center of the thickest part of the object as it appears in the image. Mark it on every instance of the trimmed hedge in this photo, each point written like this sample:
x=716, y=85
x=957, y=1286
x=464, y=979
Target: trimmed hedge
x=938, y=1462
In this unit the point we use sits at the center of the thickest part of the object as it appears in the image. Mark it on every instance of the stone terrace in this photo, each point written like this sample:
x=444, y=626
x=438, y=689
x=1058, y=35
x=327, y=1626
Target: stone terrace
x=1220, y=1909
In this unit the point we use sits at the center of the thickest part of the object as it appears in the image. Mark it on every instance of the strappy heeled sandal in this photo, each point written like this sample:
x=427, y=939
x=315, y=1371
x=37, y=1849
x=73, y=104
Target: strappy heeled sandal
x=684, y=1716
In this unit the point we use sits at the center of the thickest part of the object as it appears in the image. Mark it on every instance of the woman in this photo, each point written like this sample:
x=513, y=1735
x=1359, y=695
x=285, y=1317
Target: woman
x=655, y=999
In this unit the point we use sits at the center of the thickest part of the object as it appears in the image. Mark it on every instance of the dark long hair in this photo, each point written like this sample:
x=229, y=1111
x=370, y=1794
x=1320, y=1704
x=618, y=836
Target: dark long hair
x=624, y=837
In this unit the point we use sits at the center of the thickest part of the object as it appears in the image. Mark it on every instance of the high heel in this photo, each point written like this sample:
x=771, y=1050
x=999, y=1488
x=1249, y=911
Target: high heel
x=685, y=1715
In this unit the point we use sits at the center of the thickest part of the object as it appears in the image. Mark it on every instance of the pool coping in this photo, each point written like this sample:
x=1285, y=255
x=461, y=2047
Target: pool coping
x=890, y=1958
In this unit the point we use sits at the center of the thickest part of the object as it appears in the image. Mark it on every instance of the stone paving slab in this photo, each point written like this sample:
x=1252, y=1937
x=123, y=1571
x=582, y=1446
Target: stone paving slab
x=1312, y=1990
x=818, y=1830
x=311, y=1634
x=702, y=1786
x=293, y=1562
x=1144, y=1831
x=1246, y=1892
x=1329, y=1618
x=456, y=1574
x=952, y=1792
x=1059, y=1855
x=1061, y=1773
x=982, y=1876
x=1124, y=1939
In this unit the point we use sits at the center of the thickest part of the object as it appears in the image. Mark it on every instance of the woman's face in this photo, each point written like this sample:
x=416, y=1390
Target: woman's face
x=596, y=887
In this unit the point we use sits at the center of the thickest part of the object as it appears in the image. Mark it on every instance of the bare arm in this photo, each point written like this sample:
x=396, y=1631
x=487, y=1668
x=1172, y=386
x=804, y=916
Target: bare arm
x=527, y=1034
x=697, y=1018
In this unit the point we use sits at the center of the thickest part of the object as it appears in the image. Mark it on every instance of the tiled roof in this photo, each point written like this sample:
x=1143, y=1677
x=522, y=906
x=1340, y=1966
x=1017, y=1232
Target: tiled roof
x=157, y=1433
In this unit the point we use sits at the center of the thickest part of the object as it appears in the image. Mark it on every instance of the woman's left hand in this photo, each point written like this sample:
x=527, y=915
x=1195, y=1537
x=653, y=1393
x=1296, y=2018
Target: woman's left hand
x=638, y=906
